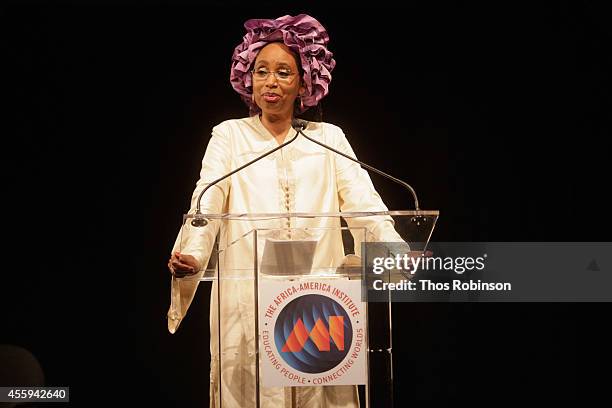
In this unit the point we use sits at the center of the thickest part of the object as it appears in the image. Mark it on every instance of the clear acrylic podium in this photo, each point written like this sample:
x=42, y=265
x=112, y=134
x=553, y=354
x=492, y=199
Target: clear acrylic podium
x=296, y=362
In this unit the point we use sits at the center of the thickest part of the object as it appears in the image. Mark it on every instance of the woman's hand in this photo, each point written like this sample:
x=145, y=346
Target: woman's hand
x=182, y=265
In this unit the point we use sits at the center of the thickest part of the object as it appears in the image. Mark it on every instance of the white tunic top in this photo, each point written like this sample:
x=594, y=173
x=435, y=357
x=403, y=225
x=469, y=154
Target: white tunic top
x=301, y=177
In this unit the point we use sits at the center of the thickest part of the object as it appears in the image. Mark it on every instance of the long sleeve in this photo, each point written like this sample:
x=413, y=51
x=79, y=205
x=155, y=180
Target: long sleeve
x=199, y=241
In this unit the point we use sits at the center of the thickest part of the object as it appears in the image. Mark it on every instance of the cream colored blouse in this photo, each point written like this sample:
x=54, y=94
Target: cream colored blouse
x=301, y=177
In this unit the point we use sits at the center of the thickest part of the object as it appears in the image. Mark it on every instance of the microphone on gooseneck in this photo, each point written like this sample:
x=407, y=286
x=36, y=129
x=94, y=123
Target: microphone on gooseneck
x=198, y=219
x=300, y=124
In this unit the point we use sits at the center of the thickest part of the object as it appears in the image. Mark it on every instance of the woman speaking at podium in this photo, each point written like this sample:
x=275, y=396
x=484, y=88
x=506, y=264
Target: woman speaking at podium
x=282, y=68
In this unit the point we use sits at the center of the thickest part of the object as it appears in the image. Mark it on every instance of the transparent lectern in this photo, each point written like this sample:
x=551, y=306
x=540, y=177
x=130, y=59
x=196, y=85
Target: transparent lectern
x=289, y=324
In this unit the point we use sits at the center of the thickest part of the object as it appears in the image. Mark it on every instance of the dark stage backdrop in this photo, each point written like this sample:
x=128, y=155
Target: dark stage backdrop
x=497, y=115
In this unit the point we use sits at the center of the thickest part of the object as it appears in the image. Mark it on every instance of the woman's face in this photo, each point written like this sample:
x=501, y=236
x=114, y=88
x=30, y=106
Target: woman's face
x=276, y=93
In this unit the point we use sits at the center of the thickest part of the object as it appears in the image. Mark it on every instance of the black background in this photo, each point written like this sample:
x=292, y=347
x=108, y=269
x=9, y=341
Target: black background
x=497, y=115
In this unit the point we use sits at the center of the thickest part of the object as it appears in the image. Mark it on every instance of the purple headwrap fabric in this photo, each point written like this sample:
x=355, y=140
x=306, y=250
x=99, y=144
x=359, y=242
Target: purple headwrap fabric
x=302, y=34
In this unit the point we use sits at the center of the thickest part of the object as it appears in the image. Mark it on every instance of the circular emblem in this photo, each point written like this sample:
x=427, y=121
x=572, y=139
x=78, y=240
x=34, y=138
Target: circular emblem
x=313, y=334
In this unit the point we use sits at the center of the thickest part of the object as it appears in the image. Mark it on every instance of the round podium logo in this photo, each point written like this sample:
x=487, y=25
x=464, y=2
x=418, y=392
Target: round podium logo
x=313, y=334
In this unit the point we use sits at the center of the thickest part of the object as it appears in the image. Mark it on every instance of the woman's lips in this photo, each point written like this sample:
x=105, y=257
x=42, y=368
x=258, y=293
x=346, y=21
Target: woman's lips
x=270, y=97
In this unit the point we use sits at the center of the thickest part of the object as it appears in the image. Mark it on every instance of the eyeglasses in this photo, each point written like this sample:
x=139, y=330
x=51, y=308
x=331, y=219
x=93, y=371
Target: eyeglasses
x=282, y=75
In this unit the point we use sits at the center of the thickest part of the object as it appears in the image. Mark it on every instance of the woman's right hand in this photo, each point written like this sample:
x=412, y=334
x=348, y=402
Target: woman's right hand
x=181, y=265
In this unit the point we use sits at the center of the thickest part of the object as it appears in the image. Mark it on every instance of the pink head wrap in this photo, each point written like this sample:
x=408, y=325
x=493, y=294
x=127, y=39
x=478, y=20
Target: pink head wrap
x=302, y=34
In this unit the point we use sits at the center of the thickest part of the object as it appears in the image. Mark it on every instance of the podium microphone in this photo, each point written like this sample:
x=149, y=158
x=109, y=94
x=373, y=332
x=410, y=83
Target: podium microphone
x=198, y=217
x=300, y=124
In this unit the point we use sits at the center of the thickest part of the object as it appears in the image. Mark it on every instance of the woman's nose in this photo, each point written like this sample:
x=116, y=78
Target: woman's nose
x=271, y=80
